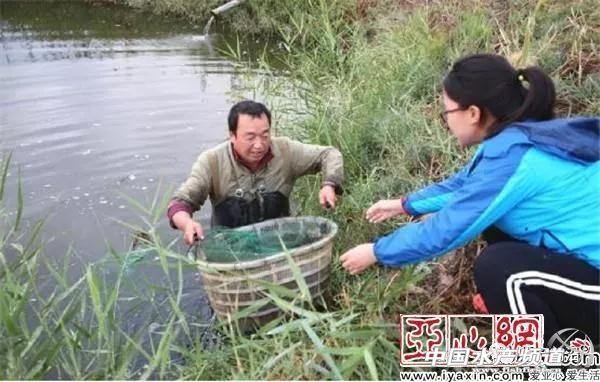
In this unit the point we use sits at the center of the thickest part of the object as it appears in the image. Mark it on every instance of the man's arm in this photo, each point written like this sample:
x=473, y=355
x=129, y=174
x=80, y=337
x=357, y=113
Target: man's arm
x=189, y=198
x=310, y=159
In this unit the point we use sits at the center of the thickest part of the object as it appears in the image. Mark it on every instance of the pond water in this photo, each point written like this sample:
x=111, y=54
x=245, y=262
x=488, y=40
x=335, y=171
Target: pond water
x=99, y=104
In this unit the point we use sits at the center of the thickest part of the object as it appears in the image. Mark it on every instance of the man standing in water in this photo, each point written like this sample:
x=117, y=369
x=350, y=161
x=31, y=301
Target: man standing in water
x=249, y=178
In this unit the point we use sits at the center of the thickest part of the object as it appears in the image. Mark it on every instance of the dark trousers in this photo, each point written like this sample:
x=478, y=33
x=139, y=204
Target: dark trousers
x=515, y=277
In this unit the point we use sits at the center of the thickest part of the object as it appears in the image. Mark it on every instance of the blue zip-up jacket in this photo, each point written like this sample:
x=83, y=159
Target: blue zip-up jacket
x=537, y=181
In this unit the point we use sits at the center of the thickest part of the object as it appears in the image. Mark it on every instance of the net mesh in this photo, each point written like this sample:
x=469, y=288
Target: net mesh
x=226, y=245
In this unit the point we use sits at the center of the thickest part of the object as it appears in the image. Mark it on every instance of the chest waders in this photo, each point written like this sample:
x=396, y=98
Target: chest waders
x=236, y=210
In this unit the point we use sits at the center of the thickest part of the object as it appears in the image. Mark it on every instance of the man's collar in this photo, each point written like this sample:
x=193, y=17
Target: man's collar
x=253, y=168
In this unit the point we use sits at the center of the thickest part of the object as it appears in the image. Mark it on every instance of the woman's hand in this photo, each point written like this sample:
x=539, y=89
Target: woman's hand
x=358, y=258
x=384, y=210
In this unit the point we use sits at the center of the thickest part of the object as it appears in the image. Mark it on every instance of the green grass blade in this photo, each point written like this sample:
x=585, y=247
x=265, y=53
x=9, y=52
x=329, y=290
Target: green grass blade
x=4, y=173
x=94, y=291
x=370, y=363
x=20, y=203
x=304, y=291
x=322, y=350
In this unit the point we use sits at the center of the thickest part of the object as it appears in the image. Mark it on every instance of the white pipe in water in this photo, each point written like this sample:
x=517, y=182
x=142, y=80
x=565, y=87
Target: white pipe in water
x=225, y=7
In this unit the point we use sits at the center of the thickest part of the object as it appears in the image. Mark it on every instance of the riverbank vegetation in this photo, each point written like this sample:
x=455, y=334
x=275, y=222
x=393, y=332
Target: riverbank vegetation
x=367, y=74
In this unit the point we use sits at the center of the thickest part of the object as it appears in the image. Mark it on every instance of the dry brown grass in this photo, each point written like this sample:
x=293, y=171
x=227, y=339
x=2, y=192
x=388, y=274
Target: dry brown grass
x=450, y=287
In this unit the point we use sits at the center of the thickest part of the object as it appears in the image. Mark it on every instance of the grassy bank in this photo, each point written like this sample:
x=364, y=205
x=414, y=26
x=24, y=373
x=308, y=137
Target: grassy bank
x=261, y=18
x=368, y=74
x=372, y=88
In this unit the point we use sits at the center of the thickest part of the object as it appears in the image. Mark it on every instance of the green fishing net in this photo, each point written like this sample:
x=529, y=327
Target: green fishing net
x=226, y=245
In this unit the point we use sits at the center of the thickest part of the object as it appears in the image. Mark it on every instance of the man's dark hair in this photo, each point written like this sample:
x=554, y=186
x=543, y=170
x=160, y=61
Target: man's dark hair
x=254, y=109
x=490, y=82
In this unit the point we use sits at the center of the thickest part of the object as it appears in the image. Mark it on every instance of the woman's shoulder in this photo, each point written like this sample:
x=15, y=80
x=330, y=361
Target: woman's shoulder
x=501, y=144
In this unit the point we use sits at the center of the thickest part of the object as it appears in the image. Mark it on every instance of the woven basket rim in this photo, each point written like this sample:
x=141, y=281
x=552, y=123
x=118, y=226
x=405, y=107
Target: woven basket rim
x=243, y=265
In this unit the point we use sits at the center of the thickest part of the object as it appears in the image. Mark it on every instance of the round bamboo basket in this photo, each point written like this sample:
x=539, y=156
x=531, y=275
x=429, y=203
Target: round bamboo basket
x=232, y=287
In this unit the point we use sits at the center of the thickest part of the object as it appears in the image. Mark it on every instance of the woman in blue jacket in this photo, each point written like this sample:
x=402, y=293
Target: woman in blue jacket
x=532, y=189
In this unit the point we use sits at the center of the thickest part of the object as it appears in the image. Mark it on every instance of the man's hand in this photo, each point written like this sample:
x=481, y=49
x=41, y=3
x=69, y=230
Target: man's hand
x=358, y=258
x=192, y=232
x=327, y=196
x=384, y=210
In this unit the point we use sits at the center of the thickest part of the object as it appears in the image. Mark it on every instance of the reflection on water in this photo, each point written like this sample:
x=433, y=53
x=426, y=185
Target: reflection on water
x=99, y=104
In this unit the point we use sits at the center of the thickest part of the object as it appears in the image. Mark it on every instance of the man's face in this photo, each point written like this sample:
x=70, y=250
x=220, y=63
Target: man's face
x=252, y=138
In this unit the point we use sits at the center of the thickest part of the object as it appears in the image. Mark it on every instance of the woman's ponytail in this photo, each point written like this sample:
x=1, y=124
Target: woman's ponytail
x=540, y=95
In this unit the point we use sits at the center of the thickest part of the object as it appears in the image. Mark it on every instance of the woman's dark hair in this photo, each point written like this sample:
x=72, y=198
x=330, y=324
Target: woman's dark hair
x=255, y=109
x=489, y=82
